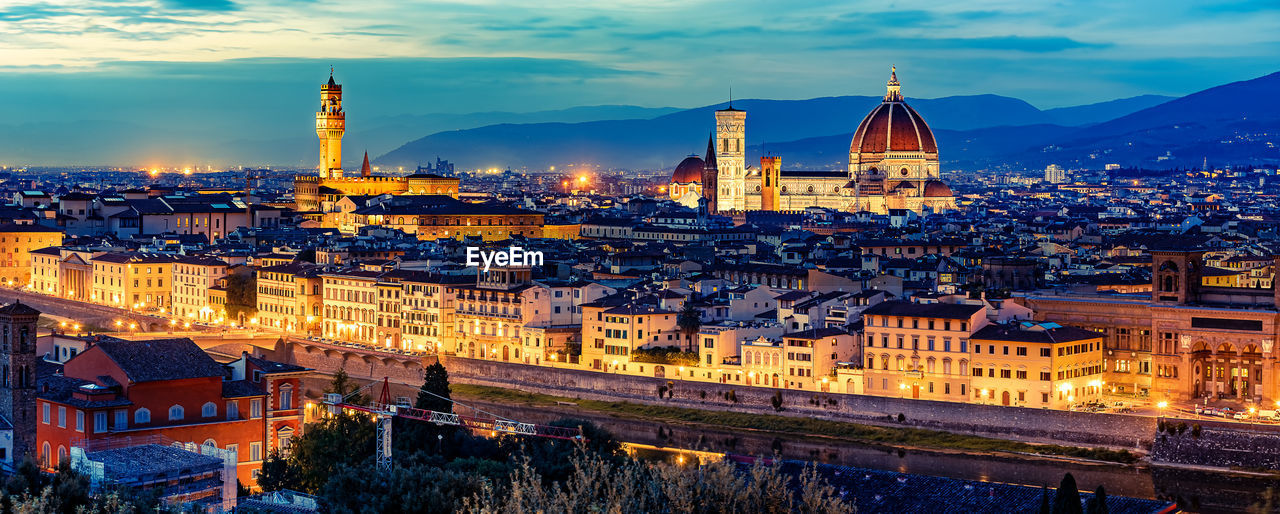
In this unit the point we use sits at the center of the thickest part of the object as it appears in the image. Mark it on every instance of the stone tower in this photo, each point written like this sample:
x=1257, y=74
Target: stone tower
x=710, y=184
x=770, y=175
x=1176, y=275
x=331, y=124
x=18, y=381
x=731, y=130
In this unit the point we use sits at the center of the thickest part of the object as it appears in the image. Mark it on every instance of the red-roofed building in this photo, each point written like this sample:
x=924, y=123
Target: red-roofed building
x=119, y=389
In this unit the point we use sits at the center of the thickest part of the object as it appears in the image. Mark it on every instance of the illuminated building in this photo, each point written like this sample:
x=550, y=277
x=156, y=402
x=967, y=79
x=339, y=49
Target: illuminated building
x=915, y=350
x=192, y=278
x=131, y=280
x=290, y=298
x=1187, y=340
x=610, y=333
x=350, y=306
x=893, y=164
x=311, y=191
x=432, y=217
x=488, y=313
x=170, y=388
x=16, y=244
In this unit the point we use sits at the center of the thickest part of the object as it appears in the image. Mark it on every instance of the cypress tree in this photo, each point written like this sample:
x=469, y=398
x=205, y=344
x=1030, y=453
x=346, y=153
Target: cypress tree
x=1067, y=499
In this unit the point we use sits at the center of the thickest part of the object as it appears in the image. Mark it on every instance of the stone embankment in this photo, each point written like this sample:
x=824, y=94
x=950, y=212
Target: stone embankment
x=1035, y=425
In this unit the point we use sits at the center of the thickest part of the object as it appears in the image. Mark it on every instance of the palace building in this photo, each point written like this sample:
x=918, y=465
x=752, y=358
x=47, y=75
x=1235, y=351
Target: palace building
x=1186, y=341
x=316, y=192
x=893, y=164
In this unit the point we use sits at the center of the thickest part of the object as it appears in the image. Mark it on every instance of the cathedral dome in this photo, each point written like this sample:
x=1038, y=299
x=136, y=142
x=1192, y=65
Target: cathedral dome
x=893, y=126
x=689, y=171
x=935, y=189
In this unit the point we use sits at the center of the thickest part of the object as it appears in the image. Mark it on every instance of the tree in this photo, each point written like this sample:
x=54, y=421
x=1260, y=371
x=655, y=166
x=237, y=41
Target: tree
x=1045, y=508
x=343, y=385
x=434, y=393
x=689, y=321
x=343, y=439
x=1067, y=499
x=1097, y=504
x=242, y=295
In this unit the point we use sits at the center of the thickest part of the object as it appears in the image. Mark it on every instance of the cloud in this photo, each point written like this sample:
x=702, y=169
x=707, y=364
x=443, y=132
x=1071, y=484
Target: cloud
x=1028, y=44
x=202, y=5
x=34, y=12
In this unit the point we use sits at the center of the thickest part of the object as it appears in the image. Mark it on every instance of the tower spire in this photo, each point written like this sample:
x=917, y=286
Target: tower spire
x=365, y=170
x=893, y=91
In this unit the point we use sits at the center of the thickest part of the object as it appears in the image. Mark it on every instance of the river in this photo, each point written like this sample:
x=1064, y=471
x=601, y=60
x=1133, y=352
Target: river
x=1194, y=490
x=1205, y=491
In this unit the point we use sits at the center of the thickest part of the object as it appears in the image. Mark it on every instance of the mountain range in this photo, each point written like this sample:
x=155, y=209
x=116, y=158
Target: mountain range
x=1234, y=123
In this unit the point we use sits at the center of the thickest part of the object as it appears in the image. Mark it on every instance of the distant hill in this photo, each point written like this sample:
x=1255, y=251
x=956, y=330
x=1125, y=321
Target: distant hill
x=1236, y=123
x=1232, y=124
x=665, y=140
x=973, y=131
x=1103, y=111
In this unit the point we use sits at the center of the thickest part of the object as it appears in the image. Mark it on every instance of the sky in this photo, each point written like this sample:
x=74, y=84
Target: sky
x=231, y=64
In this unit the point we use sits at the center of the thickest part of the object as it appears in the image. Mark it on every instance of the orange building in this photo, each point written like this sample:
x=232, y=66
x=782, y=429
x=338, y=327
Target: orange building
x=171, y=388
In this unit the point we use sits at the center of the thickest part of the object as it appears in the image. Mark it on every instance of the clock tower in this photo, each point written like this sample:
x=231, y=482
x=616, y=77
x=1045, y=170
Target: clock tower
x=331, y=124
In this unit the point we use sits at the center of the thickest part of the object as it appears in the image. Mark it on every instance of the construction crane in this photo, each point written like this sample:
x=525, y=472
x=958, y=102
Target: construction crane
x=384, y=410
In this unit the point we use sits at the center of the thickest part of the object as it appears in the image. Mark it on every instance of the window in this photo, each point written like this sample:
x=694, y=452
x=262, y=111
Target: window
x=99, y=422
x=255, y=409
x=141, y=416
x=1022, y=351
x=255, y=451
x=176, y=413
x=79, y=421
x=62, y=417
x=209, y=410
x=286, y=397
x=122, y=419
x=44, y=414
x=284, y=438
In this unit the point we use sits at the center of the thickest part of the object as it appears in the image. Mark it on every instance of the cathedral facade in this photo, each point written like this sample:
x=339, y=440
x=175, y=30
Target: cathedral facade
x=893, y=164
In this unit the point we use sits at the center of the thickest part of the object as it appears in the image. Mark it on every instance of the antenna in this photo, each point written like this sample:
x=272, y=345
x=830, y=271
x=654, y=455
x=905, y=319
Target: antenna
x=730, y=96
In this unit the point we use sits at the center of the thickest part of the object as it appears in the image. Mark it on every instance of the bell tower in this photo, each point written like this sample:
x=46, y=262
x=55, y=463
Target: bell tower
x=18, y=380
x=731, y=129
x=770, y=175
x=1176, y=275
x=331, y=124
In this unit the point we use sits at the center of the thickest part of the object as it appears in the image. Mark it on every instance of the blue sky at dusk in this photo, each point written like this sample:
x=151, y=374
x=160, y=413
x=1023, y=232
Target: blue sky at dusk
x=227, y=63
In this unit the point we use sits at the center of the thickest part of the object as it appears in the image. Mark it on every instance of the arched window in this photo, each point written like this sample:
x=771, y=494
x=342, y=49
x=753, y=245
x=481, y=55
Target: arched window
x=62, y=454
x=964, y=367
x=45, y=455
x=209, y=410
x=142, y=415
x=176, y=413
x=902, y=363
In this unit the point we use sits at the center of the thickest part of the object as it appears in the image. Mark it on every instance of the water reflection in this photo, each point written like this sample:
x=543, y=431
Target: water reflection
x=1197, y=491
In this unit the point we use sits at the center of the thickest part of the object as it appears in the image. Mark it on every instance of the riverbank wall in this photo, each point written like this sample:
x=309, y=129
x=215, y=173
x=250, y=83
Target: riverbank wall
x=1216, y=444
x=1035, y=425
